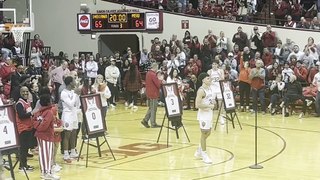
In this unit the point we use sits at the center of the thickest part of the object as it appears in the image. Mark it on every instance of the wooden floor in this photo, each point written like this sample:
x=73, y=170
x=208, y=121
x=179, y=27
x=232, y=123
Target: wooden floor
x=288, y=148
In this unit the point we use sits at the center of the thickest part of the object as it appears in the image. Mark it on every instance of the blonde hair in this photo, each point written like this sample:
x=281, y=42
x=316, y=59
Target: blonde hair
x=259, y=63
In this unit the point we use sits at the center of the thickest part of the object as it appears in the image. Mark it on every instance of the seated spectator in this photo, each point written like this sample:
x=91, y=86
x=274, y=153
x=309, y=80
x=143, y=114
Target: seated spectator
x=191, y=69
x=231, y=61
x=315, y=24
x=301, y=73
x=286, y=72
x=192, y=11
x=274, y=72
x=296, y=52
x=191, y=91
x=164, y=44
x=303, y=23
x=312, y=72
x=289, y=44
x=290, y=22
x=293, y=93
x=276, y=92
x=32, y=70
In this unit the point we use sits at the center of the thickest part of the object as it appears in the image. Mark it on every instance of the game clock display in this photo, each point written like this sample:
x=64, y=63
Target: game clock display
x=118, y=21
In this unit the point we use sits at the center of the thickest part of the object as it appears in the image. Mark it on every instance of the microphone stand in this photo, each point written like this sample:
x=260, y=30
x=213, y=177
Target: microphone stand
x=256, y=165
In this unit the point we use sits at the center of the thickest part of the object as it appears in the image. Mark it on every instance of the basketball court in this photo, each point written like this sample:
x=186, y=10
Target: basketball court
x=287, y=149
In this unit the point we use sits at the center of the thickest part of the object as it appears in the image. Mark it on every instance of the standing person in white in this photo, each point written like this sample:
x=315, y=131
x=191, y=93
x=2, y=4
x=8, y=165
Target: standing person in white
x=205, y=104
x=316, y=82
x=70, y=103
x=216, y=74
x=92, y=69
x=112, y=74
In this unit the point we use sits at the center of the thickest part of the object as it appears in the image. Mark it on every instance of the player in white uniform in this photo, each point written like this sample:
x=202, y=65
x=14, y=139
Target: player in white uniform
x=205, y=104
x=216, y=74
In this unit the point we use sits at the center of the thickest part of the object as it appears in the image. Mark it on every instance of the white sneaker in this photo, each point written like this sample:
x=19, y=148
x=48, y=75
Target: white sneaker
x=74, y=155
x=206, y=159
x=66, y=157
x=130, y=105
x=112, y=106
x=126, y=104
x=51, y=177
x=55, y=168
x=301, y=115
x=135, y=107
x=197, y=154
x=222, y=121
x=269, y=107
x=281, y=105
x=59, y=166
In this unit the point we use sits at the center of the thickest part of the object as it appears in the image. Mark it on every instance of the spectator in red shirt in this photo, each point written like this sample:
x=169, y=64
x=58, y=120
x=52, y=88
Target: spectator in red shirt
x=153, y=84
x=267, y=57
x=37, y=42
x=301, y=72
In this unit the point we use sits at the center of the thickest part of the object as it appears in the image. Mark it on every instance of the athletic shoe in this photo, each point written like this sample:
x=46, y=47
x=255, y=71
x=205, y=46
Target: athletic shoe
x=269, y=107
x=27, y=168
x=273, y=111
x=197, y=154
x=301, y=115
x=56, y=168
x=74, y=155
x=112, y=106
x=222, y=121
x=66, y=157
x=50, y=177
x=155, y=126
x=145, y=124
x=281, y=105
x=135, y=107
x=130, y=105
x=29, y=155
x=206, y=159
x=309, y=102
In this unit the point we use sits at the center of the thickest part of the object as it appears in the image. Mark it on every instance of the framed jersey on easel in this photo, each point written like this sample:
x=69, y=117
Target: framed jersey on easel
x=92, y=110
x=173, y=104
x=227, y=95
x=8, y=129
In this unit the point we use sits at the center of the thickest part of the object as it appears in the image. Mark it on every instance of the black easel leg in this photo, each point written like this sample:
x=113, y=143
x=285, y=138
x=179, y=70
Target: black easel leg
x=238, y=120
x=167, y=134
x=11, y=167
x=177, y=133
x=98, y=145
x=87, y=153
x=109, y=147
x=185, y=132
x=164, y=117
x=80, y=149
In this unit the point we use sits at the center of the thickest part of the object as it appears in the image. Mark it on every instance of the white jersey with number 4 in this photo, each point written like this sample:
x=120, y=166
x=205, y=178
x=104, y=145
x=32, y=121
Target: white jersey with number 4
x=7, y=130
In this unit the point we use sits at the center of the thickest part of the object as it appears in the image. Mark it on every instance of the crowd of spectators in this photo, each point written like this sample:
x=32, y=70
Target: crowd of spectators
x=287, y=13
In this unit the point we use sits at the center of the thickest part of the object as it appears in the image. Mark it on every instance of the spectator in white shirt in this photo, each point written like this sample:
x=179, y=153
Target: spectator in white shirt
x=92, y=69
x=112, y=74
x=299, y=54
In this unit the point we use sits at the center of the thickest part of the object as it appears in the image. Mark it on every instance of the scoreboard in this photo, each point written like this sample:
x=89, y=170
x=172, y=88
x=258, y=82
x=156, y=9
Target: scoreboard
x=120, y=21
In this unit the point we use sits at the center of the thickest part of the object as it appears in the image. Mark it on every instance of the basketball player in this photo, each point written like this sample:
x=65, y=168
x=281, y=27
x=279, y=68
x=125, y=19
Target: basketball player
x=205, y=104
x=216, y=74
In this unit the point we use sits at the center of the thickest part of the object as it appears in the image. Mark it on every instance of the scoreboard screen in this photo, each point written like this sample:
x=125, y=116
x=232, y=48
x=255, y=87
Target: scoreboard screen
x=118, y=21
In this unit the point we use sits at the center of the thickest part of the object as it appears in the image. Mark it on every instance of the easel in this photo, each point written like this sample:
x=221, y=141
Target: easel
x=98, y=145
x=100, y=132
x=11, y=165
x=230, y=108
x=230, y=115
x=168, y=127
